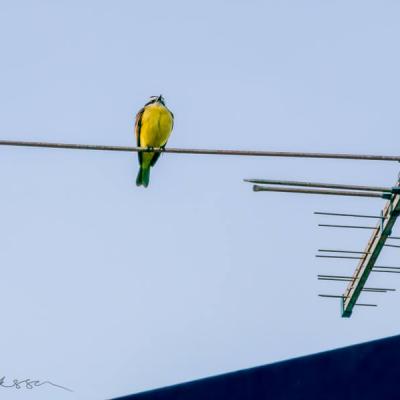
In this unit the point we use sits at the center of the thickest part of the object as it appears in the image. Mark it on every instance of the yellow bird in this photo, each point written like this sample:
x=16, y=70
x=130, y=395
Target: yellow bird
x=153, y=126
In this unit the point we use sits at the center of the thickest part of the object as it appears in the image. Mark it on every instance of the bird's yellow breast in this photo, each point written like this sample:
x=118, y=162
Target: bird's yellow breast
x=156, y=126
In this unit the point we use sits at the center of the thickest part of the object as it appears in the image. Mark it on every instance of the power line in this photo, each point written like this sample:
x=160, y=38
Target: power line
x=256, y=153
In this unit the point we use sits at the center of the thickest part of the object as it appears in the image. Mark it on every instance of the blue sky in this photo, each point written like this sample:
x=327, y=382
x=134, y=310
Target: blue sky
x=111, y=289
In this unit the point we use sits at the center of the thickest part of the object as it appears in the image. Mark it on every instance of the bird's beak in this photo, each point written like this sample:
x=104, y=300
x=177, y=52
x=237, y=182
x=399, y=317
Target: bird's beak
x=159, y=97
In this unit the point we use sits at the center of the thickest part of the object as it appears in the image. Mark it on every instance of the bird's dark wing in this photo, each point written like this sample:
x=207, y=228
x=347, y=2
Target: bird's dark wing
x=138, y=127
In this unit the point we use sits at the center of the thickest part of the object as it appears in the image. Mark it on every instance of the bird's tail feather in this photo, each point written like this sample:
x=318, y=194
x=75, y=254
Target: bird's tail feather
x=143, y=177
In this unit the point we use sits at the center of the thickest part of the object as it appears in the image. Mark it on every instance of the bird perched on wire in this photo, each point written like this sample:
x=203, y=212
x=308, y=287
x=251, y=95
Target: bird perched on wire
x=153, y=126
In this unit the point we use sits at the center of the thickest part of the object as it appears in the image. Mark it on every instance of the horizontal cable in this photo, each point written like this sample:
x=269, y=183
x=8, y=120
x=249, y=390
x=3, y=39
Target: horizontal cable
x=293, y=154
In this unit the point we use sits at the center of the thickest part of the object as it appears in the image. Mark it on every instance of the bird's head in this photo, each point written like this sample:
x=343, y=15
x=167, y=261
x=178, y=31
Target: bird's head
x=156, y=99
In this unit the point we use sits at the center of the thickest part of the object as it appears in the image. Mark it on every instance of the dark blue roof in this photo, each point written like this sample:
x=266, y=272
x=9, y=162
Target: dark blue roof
x=364, y=371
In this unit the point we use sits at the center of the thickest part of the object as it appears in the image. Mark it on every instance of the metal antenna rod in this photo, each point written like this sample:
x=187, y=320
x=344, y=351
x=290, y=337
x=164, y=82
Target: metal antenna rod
x=257, y=188
x=390, y=270
x=366, y=289
x=374, y=247
x=385, y=271
x=335, y=279
x=341, y=251
x=347, y=226
x=346, y=257
x=321, y=185
x=341, y=297
x=348, y=215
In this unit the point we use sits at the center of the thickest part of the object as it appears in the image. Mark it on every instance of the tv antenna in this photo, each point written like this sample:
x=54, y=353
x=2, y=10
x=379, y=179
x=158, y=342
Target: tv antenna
x=380, y=234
